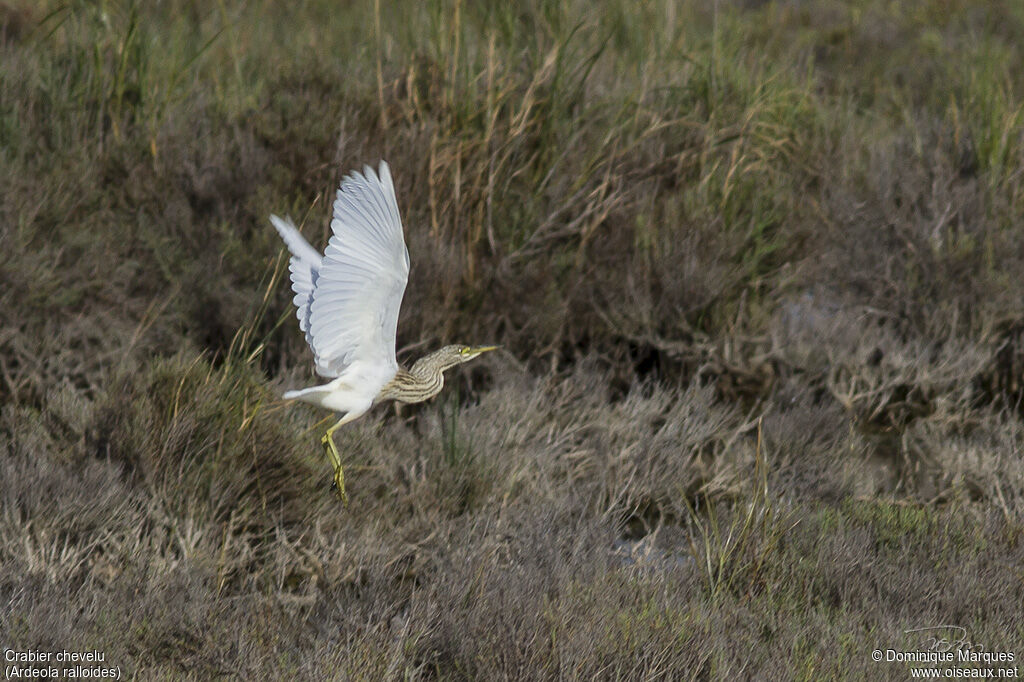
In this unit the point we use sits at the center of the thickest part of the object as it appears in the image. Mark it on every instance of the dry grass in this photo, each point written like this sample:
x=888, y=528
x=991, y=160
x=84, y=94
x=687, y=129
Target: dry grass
x=755, y=271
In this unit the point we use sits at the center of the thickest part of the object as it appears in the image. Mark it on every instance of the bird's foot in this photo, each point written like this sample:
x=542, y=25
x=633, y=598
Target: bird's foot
x=338, y=483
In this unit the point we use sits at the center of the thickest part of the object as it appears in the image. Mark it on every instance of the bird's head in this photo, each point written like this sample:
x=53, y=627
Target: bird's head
x=449, y=356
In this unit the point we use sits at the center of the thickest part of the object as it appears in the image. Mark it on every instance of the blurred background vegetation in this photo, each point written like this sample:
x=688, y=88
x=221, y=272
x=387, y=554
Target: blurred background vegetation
x=756, y=268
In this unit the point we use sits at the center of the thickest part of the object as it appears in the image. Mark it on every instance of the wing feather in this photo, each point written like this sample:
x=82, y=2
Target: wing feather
x=303, y=266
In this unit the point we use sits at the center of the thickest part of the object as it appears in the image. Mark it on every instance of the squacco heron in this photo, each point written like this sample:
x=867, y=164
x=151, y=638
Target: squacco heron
x=348, y=301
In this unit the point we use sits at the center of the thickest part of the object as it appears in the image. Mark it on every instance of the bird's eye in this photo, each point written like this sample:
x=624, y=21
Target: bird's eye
x=464, y=350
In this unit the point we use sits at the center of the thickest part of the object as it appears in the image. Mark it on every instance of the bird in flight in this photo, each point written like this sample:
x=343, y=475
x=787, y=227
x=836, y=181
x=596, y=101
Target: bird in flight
x=347, y=302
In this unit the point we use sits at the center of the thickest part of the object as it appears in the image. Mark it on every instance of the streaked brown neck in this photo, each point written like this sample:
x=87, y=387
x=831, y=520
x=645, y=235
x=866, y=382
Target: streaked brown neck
x=412, y=387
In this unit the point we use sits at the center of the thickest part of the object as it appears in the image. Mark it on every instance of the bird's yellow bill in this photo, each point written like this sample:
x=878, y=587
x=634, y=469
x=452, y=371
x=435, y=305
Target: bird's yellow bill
x=483, y=349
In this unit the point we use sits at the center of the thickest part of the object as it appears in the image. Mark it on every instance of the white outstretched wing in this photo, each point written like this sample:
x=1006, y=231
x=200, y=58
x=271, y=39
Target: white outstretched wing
x=348, y=305
x=304, y=266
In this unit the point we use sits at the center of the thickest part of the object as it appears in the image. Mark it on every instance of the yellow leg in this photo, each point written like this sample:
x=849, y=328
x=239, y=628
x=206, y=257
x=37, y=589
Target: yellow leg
x=335, y=458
